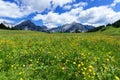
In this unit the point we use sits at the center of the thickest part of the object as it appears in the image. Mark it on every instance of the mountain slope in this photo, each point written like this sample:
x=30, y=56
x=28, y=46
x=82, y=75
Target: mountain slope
x=73, y=27
x=28, y=25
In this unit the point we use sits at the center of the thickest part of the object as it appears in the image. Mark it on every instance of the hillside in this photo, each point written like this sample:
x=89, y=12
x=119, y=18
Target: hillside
x=112, y=30
x=62, y=56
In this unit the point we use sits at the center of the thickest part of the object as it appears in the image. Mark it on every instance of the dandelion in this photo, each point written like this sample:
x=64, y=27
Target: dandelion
x=85, y=68
x=20, y=73
x=23, y=65
x=82, y=63
x=74, y=62
x=12, y=66
x=21, y=78
x=90, y=70
x=117, y=78
x=79, y=65
x=107, y=59
x=63, y=68
x=83, y=73
x=31, y=65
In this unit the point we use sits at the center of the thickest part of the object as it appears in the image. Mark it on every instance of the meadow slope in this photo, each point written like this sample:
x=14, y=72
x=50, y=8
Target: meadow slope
x=29, y=55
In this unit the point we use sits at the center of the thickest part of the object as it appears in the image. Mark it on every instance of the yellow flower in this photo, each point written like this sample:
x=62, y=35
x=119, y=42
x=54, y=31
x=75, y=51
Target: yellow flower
x=90, y=70
x=12, y=66
x=23, y=65
x=79, y=65
x=63, y=68
x=83, y=73
x=85, y=68
x=20, y=73
x=31, y=65
x=74, y=62
x=117, y=78
x=90, y=66
x=82, y=63
x=21, y=78
x=107, y=59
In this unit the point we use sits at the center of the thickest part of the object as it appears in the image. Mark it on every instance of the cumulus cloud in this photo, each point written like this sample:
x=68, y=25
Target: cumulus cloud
x=83, y=4
x=115, y=2
x=67, y=7
x=5, y=20
x=91, y=16
x=61, y=2
x=53, y=19
x=25, y=7
x=35, y=5
x=12, y=10
x=95, y=17
x=76, y=5
x=41, y=5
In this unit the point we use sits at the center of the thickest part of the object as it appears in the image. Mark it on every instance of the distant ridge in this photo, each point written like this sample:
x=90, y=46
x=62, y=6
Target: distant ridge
x=70, y=28
x=73, y=27
x=28, y=25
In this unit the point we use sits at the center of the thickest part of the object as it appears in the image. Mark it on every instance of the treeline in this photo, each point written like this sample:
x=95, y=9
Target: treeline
x=104, y=27
x=100, y=28
x=2, y=26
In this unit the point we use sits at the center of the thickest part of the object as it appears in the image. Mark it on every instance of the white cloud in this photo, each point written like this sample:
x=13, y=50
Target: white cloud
x=80, y=4
x=115, y=2
x=53, y=19
x=5, y=20
x=25, y=7
x=95, y=16
x=76, y=5
x=12, y=10
x=67, y=7
x=61, y=2
x=35, y=5
x=41, y=5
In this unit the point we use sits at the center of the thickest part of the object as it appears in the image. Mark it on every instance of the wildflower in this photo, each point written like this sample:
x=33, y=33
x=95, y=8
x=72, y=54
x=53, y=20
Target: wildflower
x=85, y=68
x=20, y=73
x=12, y=66
x=31, y=65
x=74, y=62
x=63, y=68
x=83, y=73
x=21, y=78
x=117, y=78
x=82, y=63
x=107, y=59
x=23, y=65
x=90, y=70
x=79, y=65
x=90, y=66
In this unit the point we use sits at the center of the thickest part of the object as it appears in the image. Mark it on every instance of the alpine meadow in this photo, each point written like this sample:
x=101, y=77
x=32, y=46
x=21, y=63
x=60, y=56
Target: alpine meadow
x=29, y=55
x=59, y=39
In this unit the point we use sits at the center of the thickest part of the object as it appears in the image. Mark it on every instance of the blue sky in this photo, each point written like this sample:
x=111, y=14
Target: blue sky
x=58, y=12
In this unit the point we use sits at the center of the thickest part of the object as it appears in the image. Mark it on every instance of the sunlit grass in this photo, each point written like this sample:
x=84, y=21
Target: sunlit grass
x=29, y=55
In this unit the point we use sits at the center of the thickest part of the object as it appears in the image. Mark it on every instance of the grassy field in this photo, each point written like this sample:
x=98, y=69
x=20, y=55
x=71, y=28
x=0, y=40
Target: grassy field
x=29, y=55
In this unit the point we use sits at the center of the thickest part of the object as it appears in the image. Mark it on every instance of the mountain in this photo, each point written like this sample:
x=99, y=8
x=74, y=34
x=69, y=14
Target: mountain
x=28, y=25
x=72, y=27
x=2, y=26
x=10, y=25
x=116, y=24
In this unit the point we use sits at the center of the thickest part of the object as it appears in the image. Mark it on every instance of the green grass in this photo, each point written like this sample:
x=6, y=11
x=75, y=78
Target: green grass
x=29, y=55
x=112, y=31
